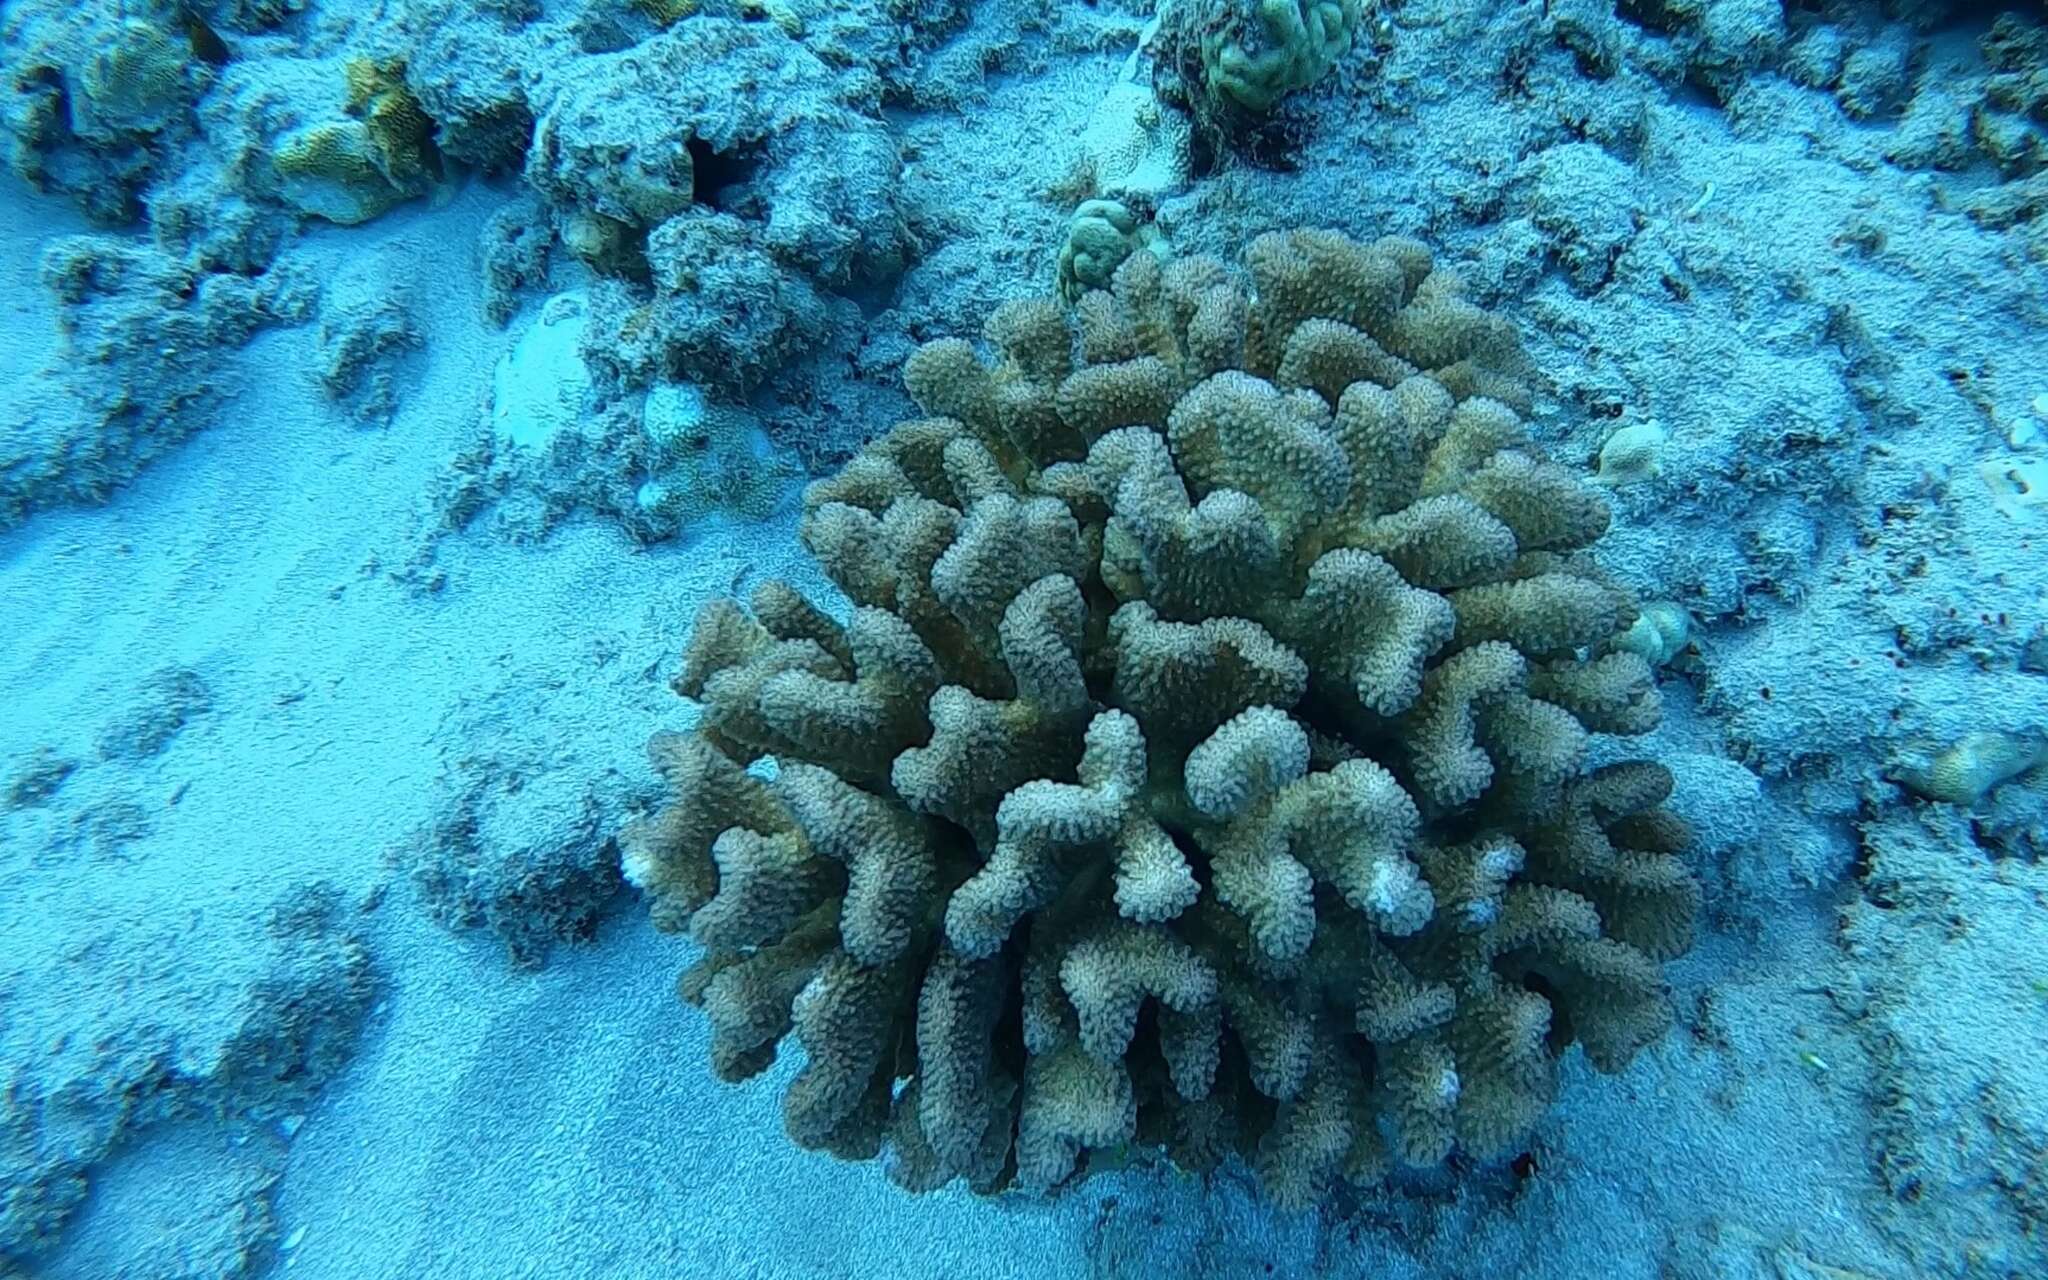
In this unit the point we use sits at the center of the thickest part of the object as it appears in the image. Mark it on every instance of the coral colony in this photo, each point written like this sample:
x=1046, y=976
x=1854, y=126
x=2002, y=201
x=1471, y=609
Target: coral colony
x=1202, y=762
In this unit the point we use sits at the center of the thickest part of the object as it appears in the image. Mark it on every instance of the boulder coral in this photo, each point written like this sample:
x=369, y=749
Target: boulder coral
x=1201, y=764
x=1231, y=62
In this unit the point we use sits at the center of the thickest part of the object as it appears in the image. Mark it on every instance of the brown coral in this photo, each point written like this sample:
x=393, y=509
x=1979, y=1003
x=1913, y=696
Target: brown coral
x=1200, y=763
x=400, y=132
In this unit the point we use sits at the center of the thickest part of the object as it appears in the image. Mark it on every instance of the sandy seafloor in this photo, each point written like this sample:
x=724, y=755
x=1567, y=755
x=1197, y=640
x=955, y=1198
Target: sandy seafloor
x=237, y=1038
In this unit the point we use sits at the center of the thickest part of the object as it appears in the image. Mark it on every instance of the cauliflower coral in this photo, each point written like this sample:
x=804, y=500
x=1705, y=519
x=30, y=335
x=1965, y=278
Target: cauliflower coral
x=1200, y=764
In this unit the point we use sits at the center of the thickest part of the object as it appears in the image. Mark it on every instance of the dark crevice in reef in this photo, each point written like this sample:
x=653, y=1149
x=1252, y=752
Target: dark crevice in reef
x=872, y=294
x=723, y=180
x=207, y=46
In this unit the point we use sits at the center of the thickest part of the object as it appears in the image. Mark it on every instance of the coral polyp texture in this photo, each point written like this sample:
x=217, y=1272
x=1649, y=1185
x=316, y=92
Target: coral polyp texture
x=1201, y=763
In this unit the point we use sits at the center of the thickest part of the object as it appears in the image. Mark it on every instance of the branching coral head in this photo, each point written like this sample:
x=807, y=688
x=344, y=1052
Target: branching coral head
x=1201, y=763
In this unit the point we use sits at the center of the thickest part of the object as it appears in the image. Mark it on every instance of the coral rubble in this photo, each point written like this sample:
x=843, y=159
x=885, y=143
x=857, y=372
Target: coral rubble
x=130, y=1053
x=142, y=335
x=1202, y=763
x=522, y=842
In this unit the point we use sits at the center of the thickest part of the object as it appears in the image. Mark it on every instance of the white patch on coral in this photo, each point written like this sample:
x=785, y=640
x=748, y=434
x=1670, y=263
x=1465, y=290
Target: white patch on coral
x=1447, y=1086
x=672, y=412
x=1397, y=899
x=638, y=866
x=1136, y=145
x=1661, y=630
x=706, y=458
x=1632, y=454
x=541, y=385
x=651, y=496
x=2027, y=433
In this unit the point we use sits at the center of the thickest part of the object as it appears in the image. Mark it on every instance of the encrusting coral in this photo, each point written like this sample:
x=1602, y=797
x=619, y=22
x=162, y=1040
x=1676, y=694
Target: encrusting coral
x=354, y=169
x=138, y=78
x=1201, y=762
x=1135, y=147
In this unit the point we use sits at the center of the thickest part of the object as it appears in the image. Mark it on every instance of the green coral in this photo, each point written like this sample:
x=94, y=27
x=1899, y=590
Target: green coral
x=667, y=13
x=1100, y=235
x=1975, y=765
x=330, y=170
x=401, y=135
x=354, y=169
x=1201, y=763
x=1232, y=61
x=1295, y=45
